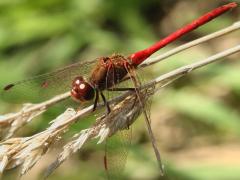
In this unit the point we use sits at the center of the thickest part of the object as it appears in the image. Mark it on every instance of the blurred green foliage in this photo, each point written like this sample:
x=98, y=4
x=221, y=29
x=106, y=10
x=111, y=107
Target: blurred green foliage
x=40, y=36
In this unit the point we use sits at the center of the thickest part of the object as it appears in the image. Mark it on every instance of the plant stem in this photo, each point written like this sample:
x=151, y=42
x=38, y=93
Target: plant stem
x=138, y=57
x=229, y=29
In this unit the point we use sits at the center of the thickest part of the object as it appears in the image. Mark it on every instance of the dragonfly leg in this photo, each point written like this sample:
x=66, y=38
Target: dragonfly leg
x=105, y=162
x=154, y=144
x=121, y=89
x=128, y=121
x=105, y=102
x=135, y=100
x=128, y=124
x=96, y=100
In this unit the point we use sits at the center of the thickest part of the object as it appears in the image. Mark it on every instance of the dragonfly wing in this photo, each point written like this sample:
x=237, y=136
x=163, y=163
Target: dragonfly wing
x=43, y=87
x=116, y=152
x=144, y=99
x=153, y=141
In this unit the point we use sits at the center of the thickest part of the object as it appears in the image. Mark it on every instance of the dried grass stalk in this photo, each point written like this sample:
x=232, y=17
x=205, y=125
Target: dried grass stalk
x=27, y=151
x=10, y=123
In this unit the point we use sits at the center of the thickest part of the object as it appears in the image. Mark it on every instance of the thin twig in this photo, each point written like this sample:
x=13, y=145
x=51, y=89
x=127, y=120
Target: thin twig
x=29, y=111
x=186, y=69
x=229, y=29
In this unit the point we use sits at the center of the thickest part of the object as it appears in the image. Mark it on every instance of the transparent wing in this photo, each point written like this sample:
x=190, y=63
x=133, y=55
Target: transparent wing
x=144, y=99
x=117, y=146
x=43, y=87
x=116, y=152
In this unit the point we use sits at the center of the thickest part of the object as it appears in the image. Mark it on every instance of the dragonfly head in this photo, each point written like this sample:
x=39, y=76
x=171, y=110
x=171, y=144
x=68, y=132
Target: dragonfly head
x=82, y=90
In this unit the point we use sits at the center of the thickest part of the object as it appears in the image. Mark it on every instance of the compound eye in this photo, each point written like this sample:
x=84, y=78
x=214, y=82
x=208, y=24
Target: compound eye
x=82, y=90
x=77, y=81
x=86, y=90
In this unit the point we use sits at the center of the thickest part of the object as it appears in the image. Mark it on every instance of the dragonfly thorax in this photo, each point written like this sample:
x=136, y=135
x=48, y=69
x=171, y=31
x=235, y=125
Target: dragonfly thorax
x=82, y=90
x=109, y=71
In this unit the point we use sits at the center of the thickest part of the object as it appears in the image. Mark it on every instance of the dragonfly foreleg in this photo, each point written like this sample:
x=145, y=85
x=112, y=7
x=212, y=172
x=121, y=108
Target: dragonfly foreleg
x=105, y=102
x=121, y=89
x=96, y=99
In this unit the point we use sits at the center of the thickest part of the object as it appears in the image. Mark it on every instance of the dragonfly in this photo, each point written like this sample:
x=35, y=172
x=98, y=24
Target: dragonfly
x=87, y=81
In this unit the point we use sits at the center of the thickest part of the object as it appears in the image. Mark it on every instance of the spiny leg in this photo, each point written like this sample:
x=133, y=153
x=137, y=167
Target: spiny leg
x=105, y=102
x=121, y=89
x=96, y=100
x=134, y=102
x=105, y=161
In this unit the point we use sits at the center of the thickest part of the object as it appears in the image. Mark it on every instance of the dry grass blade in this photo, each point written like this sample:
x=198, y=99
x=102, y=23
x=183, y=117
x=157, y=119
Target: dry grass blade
x=10, y=123
x=229, y=29
x=27, y=151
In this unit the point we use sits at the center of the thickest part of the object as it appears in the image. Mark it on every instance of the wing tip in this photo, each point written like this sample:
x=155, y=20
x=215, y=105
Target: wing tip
x=8, y=87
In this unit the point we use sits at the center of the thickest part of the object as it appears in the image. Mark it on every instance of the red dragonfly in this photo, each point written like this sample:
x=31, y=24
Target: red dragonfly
x=88, y=80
